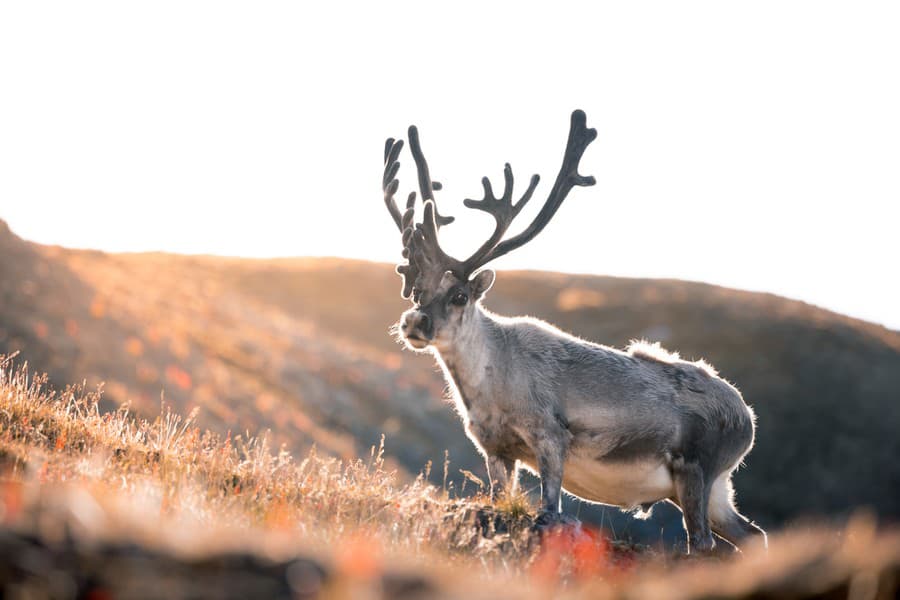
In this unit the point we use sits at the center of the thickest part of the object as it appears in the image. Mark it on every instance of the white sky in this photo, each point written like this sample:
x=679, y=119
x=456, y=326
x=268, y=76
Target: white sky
x=754, y=145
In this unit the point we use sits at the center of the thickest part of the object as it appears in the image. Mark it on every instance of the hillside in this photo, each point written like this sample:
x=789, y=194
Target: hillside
x=300, y=346
x=104, y=505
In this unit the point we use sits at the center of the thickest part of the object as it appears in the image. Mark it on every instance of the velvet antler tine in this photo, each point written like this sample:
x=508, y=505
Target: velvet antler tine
x=426, y=185
x=390, y=173
x=415, y=147
x=532, y=185
x=507, y=182
x=389, y=182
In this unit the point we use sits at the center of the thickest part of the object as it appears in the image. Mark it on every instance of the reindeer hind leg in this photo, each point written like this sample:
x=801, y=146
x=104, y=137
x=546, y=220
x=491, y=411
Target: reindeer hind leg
x=692, y=495
x=724, y=518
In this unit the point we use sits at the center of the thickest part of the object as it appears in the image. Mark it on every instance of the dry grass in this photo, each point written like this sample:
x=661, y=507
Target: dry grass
x=127, y=500
x=68, y=467
x=184, y=473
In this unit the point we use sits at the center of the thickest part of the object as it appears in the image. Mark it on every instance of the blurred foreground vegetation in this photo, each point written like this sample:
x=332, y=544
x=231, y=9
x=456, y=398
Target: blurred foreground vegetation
x=104, y=505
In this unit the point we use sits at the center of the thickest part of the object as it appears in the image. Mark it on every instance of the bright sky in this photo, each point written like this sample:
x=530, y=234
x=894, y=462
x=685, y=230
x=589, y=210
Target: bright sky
x=754, y=144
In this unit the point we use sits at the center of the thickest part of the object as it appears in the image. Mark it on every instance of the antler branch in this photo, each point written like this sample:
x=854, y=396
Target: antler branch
x=580, y=136
x=502, y=209
x=389, y=181
x=426, y=186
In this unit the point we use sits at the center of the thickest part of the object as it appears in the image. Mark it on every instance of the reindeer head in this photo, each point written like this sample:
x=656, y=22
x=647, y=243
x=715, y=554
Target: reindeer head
x=444, y=290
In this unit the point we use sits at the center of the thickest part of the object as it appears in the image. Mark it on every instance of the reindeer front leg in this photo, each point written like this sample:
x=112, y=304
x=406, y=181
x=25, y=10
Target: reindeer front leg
x=550, y=446
x=550, y=467
x=503, y=475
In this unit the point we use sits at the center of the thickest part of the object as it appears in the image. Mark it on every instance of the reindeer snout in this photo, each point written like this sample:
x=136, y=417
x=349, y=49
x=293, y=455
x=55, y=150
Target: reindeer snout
x=417, y=324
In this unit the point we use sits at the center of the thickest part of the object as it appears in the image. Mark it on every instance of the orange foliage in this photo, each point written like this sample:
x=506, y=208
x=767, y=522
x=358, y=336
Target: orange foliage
x=10, y=500
x=281, y=516
x=41, y=330
x=584, y=552
x=360, y=557
x=134, y=346
x=178, y=376
x=152, y=335
x=98, y=308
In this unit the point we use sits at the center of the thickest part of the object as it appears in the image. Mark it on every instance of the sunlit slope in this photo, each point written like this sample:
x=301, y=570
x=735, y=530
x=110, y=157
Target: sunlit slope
x=302, y=346
x=97, y=504
x=147, y=323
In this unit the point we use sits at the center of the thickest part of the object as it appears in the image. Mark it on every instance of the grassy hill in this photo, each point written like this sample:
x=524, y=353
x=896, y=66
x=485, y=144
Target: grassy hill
x=104, y=505
x=300, y=346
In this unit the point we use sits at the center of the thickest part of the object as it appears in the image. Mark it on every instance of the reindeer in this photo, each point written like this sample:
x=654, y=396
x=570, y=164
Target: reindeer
x=625, y=428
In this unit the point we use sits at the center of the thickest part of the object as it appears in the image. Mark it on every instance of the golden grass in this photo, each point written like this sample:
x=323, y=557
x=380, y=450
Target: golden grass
x=69, y=471
x=149, y=478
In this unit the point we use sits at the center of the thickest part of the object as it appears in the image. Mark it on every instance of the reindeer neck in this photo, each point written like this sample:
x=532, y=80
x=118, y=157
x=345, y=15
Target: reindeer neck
x=470, y=358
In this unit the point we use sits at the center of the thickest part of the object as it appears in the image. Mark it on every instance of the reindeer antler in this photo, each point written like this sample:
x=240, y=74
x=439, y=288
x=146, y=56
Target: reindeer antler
x=579, y=139
x=389, y=181
x=427, y=262
x=503, y=211
x=410, y=271
x=426, y=185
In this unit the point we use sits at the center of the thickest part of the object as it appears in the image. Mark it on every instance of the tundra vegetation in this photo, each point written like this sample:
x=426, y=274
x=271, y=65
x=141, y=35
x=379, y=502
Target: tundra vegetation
x=96, y=504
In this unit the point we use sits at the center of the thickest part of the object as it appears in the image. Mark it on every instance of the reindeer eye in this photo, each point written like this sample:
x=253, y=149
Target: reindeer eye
x=459, y=299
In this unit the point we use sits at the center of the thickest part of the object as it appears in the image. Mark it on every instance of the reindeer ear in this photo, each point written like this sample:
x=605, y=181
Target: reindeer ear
x=482, y=282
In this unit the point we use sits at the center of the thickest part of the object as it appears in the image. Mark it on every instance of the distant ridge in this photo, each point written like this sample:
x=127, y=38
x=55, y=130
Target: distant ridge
x=6, y=232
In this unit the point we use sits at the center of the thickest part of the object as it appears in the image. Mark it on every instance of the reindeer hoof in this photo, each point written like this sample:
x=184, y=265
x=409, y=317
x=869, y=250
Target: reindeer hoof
x=702, y=546
x=548, y=521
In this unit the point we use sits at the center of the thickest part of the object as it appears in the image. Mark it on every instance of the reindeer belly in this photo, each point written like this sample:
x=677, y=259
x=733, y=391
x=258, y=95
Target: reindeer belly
x=625, y=484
